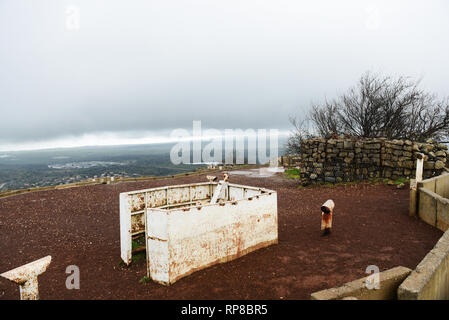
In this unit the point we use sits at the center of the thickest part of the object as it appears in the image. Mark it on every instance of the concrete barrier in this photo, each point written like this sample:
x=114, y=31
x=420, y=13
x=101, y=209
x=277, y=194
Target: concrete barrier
x=389, y=283
x=429, y=201
x=430, y=279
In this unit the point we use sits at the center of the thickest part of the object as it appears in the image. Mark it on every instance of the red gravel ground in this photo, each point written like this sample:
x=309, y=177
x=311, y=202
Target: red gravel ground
x=80, y=226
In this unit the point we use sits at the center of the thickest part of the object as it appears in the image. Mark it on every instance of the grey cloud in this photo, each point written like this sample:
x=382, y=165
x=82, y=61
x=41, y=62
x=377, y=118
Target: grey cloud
x=156, y=65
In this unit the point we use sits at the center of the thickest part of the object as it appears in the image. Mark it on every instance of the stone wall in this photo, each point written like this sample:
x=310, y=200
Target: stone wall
x=351, y=159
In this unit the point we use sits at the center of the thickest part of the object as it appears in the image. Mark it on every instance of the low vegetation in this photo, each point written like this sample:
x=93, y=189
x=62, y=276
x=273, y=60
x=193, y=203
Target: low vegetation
x=398, y=182
x=292, y=174
x=144, y=280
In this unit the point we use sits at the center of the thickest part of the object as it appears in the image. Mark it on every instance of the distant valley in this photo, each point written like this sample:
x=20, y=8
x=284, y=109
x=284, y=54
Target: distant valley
x=40, y=168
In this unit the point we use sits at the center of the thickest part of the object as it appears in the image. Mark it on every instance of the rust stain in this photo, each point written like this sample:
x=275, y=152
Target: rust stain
x=137, y=223
x=326, y=220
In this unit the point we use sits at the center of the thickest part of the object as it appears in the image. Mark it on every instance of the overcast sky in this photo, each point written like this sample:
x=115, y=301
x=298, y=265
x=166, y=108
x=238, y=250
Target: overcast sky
x=86, y=70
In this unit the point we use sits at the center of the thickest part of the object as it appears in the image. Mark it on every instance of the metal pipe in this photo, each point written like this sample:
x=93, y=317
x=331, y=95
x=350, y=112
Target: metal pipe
x=326, y=217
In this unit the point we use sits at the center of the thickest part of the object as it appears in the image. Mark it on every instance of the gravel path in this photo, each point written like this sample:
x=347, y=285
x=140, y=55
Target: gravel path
x=80, y=226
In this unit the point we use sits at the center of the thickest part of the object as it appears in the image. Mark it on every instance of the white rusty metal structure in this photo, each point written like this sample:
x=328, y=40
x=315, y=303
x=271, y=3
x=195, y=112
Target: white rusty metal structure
x=26, y=277
x=184, y=232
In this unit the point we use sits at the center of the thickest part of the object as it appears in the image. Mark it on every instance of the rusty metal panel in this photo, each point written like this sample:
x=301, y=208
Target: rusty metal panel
x=200, y=192
x=218, y=233
x=156, y=198
x=137, y=223
x=181, y=240
x=137, y=202
x=178, y=195
x=158, y=260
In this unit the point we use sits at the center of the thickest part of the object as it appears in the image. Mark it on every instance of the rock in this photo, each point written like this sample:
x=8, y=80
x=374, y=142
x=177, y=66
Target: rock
x=407, y=154
x=408, y=164
x=387, y=163
x=400, y=186
x=398, y=142
x=372, y=146
x=313, y=176
x=429, y=165
x=348, y=144
x=439, y=165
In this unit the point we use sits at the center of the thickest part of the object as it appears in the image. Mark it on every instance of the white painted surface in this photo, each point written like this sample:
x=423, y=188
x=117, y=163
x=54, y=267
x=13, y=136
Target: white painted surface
x=219, y=192
x=214, y=233
x=419, y=169
x=26, y=277
x=183, y=236
x=125, y=229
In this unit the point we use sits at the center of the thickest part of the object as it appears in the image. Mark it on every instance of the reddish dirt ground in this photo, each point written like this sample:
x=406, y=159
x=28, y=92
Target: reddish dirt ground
x=80, y=226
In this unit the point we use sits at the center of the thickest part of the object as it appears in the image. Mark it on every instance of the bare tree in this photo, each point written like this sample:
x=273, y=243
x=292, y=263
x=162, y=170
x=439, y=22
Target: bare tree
x=299, y=133
x=395, y=108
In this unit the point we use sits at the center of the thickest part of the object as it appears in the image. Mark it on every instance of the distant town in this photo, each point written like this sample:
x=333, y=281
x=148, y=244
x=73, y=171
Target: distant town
x=22, y=170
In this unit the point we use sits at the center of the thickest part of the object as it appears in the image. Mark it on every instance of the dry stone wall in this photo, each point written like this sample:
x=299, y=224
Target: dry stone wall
x=352, y=159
